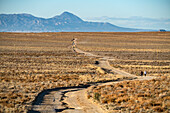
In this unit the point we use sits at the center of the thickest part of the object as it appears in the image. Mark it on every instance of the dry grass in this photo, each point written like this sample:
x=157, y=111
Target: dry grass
x=134, y=52
x=32, y=62
x=135, y=96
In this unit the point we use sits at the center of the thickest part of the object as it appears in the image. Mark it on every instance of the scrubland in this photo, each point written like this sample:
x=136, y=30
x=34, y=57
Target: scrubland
x=32, y=62
x=146, y=96
x=133, y=53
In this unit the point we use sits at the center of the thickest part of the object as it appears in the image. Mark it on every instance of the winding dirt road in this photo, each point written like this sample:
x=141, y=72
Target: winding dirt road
x=74, y=100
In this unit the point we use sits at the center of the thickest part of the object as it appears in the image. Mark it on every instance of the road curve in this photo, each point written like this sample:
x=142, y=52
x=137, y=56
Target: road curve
x=78, y=99
x=74, y=99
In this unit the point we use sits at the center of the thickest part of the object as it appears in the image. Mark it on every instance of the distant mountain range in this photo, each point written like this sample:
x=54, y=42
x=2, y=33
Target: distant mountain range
x=135, y=22
x=66, y=22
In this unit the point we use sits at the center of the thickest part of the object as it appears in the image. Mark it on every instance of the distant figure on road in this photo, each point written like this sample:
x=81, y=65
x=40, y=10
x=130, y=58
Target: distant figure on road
x=145, y=73
x=74, y=42
x=141, y=73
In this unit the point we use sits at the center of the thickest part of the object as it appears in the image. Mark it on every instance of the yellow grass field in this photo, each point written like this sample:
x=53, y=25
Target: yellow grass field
x=33, y=62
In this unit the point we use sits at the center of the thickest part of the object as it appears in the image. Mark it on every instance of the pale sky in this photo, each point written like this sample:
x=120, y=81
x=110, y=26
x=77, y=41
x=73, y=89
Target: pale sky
x=85, y=9
x=89, y=8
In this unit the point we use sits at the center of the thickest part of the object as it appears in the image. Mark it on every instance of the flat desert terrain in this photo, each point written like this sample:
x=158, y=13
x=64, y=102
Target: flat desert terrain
x=33, y=62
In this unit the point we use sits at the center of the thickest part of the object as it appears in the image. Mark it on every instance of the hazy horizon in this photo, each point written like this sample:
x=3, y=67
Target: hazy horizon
x=119, y=13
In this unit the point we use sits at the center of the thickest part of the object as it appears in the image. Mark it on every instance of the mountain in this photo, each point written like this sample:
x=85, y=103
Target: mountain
x=66, y=22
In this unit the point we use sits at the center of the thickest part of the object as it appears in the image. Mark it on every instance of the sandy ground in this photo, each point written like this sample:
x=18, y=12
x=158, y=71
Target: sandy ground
x=78, y=100
x=74, y=100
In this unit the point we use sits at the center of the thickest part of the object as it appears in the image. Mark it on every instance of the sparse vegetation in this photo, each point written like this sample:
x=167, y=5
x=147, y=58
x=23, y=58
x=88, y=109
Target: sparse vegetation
x=135, y=96
x=32, y=62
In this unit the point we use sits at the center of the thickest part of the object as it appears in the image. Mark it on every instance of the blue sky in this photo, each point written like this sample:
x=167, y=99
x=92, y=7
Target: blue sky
x=89, y=8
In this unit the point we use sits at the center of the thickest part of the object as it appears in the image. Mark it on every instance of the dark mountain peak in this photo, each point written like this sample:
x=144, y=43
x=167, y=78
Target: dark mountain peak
x=68, y=17
x=67, y=14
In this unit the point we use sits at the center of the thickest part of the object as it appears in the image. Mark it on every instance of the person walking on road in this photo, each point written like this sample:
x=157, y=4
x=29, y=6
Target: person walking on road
x=141, y=73
x=74, y=42
x=145, y=73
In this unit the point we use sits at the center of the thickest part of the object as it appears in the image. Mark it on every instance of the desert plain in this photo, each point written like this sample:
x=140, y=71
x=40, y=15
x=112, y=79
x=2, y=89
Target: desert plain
x=33, y=62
